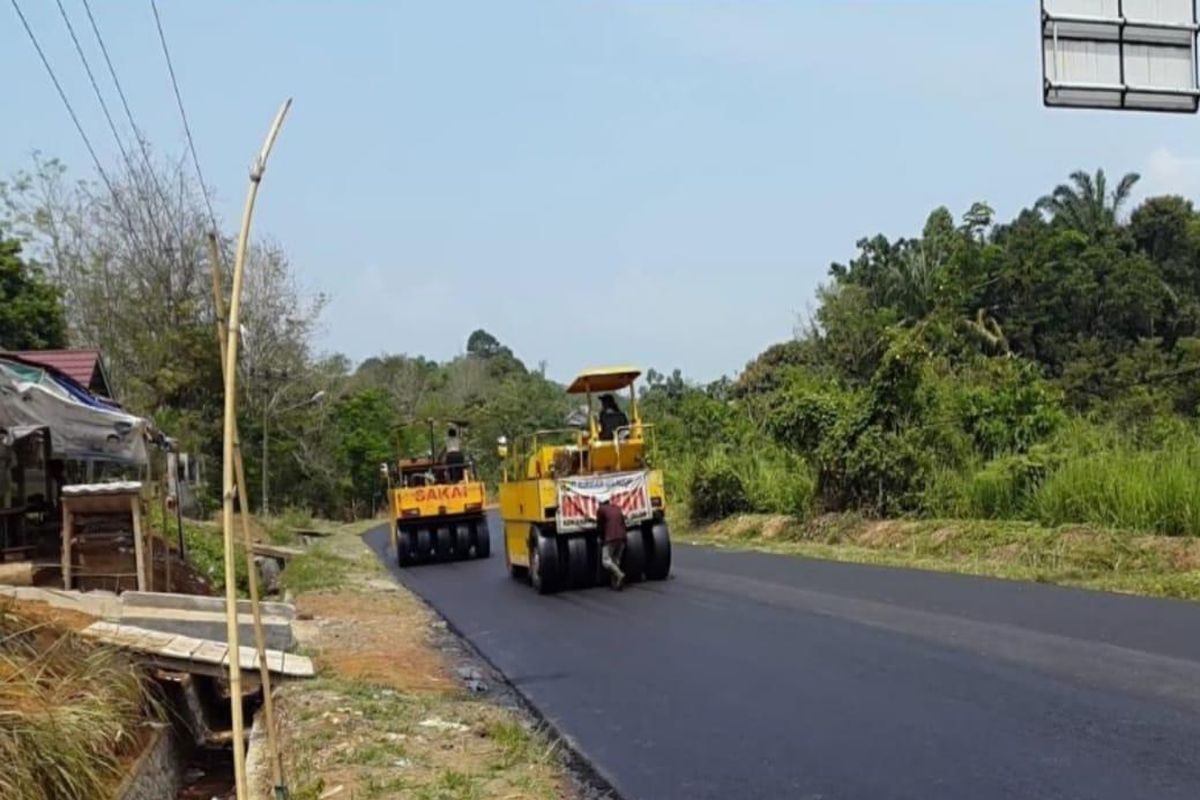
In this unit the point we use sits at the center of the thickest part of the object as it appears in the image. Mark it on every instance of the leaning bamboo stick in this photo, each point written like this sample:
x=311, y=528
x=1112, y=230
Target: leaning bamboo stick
x=260, y=644
x=227, y=483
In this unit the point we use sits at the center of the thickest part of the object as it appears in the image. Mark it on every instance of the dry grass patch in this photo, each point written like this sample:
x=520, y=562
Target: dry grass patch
x=71, y=713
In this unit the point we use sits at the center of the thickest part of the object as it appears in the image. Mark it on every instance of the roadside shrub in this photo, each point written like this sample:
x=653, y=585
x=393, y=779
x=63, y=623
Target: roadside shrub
x=776, y=481
x=1006, y=406
x=716, y=489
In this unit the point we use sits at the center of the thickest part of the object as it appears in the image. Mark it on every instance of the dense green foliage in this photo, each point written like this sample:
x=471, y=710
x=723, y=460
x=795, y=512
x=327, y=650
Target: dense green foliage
x=31, y=316
x=1045, y=369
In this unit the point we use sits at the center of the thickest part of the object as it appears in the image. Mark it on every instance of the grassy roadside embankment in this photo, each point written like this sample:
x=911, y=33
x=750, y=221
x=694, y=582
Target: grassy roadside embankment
x=1070, y=555
x=387, y=716
x=73, y=714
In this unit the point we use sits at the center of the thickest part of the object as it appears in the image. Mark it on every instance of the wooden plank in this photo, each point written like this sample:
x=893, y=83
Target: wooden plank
x=182, y=647
x=68, y=533
x=211, y=652
x=296, y=666
x=17, y=573
x=275, y=551
x=188, y=654
x=139, y=545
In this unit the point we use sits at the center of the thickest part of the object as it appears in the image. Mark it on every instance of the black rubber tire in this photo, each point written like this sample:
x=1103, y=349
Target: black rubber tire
x=544, y=572
x=633, y=563
x=422, y=543
x=404, y=553
x=658, y=551
x=444, y=543
x=600, y=575
x=462, y=541
x=579, y=576
x=482, y=538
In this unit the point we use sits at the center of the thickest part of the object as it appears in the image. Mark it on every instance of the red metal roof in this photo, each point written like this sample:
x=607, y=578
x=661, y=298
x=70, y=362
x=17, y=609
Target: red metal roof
x=79, y=365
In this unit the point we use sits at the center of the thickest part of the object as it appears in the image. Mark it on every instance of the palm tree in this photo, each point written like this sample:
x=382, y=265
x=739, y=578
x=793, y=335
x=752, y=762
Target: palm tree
x=1085, y=204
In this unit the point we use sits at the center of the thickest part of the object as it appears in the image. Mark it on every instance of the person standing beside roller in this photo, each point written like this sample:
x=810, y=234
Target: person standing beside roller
x=610, y=521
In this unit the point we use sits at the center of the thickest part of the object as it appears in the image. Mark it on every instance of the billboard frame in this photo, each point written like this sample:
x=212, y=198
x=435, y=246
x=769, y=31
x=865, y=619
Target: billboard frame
x=1122, y=89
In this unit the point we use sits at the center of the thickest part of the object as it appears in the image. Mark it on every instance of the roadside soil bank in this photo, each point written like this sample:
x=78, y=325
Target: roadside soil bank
x=1119, y=561
x=397, y=710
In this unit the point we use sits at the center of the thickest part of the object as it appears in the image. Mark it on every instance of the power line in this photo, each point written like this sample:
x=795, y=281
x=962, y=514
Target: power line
x=75, y=118
x=183, y=115
x=136, y=186
x=95, y=86
x=63, y=96
x=141, y=140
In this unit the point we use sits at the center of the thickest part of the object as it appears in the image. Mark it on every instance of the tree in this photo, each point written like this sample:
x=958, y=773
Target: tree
x=364, y=423
x=31, y=312
x=1085, y=203
x=483, y=344
x=977, y=220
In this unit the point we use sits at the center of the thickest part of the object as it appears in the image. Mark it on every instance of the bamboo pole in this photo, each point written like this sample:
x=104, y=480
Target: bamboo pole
x=227, y=482
x=264, y=673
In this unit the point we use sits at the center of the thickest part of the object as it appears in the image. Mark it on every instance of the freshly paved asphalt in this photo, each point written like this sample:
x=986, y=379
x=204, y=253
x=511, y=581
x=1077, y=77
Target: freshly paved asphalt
x=755, y=676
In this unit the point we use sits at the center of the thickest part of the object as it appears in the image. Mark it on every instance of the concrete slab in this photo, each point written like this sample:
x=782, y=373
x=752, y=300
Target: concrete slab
x=201, y=655
x=277, y=631
x=195, y=602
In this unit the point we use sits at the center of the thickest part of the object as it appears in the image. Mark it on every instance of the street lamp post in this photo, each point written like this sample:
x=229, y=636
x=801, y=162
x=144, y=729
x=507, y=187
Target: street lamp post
x=266, y=473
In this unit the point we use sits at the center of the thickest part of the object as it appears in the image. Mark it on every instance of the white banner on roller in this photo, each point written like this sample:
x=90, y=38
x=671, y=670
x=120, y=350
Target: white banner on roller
x=577, y=499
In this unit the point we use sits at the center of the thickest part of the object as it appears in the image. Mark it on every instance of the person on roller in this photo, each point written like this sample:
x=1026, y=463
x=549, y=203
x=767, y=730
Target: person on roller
x=610, y=521
x=611, y=417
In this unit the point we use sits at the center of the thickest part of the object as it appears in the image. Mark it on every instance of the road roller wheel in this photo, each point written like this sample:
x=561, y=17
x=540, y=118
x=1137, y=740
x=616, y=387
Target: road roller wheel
x=462, y=541
x=422, y=543
x=600, y=576
x=544, y=572
x=658, y=551
x=404, y=552
x=482, y=539
x=633, y=563
x=579, y=576
x=444, y=543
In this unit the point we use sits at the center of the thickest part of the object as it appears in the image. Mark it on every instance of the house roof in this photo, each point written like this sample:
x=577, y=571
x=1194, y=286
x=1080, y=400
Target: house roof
x=86, y=367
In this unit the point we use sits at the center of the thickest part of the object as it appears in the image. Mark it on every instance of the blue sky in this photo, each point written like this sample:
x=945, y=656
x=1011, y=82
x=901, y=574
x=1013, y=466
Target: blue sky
x=649, y=181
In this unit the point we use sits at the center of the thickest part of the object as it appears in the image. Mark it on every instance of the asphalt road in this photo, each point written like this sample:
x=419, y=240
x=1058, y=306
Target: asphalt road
x=756, y=676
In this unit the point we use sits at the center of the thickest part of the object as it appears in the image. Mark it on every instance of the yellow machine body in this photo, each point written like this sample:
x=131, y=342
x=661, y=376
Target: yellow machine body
x=438, y=512
x=546, y=469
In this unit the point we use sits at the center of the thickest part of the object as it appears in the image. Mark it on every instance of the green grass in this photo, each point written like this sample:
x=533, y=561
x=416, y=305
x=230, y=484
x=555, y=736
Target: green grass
x=1154, y=491
x=281, y=529
x=314, y=570
x=205, y=549
x=763, y=479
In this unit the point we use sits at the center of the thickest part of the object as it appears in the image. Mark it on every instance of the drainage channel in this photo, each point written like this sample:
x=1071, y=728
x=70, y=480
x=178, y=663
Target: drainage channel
x=208, y=775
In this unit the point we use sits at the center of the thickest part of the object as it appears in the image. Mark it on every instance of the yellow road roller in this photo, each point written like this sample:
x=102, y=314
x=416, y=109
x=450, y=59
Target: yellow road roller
x=552, y=481
x=438, y=505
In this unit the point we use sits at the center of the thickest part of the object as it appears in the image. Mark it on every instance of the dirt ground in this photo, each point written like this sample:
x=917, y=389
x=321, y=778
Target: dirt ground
x=378, y=638
x=390, y=714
